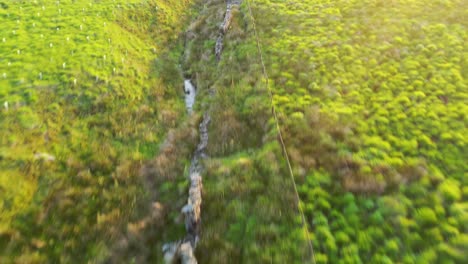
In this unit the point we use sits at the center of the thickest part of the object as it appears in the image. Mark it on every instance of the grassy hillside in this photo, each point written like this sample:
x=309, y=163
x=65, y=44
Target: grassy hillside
x=94, y=140
x=83, y=103
x=372, y=100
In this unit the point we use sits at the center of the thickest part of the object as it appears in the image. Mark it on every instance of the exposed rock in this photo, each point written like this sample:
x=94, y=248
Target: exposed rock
x=186, y=254
x=227, y=19
x=170, y=251
x=219, y=46
x=224, y=27
x=179, y=251
x=190, y=94
x=183, y=250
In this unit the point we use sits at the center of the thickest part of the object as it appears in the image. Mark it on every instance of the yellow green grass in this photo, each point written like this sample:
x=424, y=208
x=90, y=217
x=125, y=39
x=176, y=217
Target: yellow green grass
x=83, y=103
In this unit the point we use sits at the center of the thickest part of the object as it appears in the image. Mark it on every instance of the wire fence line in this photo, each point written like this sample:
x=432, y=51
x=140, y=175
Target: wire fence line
x=280, y=134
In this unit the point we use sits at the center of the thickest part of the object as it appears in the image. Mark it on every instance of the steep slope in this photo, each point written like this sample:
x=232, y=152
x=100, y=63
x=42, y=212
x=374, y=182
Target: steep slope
x=83, y=104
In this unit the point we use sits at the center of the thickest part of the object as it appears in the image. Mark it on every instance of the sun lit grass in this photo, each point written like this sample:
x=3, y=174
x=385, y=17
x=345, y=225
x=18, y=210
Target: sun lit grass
x=81, y=98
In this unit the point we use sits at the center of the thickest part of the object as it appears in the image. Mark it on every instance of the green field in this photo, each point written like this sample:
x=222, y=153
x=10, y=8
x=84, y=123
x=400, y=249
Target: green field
x=84, y=102
x=372, y=100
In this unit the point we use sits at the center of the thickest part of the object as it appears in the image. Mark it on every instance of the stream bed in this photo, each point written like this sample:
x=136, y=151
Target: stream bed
x=183, y=250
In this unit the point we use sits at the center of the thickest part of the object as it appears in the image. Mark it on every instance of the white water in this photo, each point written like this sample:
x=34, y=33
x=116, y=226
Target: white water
x=185, y=248
x=190, y=93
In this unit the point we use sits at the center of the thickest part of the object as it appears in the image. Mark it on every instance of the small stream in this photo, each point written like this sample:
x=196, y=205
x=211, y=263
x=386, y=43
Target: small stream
x=190, y=94
x=224, y=27
x=183, y=250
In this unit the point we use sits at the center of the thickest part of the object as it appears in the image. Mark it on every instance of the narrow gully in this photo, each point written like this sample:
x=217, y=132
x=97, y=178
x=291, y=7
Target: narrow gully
x=184, y=249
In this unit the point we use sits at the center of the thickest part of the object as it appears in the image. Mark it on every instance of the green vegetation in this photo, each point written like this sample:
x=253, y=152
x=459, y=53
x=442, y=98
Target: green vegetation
x=372, y=99
x=374, y=102
x=249, y=213
x=83, y=104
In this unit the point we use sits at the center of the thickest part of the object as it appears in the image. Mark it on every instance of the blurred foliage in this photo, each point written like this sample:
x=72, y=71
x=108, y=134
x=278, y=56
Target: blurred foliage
x=249, y=214
x=83, y=105
x=372, y=100
x=372, y=95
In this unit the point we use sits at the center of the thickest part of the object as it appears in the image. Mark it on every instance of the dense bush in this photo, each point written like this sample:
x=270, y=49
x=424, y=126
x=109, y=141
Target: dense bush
x=83, y=105
x=372, y=96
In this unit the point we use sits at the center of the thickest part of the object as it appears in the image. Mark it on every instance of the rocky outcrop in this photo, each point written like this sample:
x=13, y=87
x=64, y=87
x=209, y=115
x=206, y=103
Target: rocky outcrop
x=184, y=250
x=179, y=252
x=224, y=27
